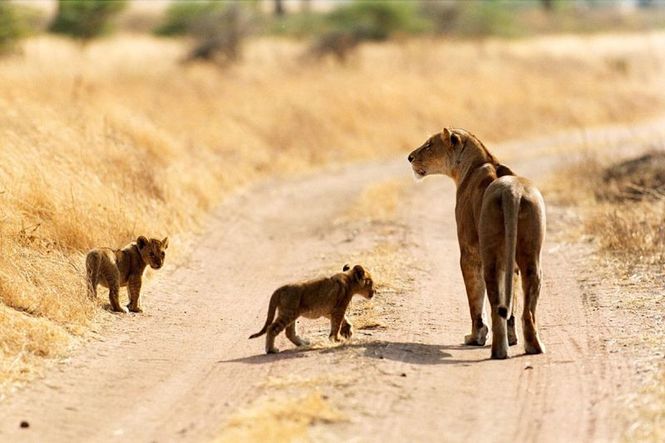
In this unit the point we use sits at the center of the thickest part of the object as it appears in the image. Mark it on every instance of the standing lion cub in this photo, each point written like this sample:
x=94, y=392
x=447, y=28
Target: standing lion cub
x=324, y=297
x=113, y=268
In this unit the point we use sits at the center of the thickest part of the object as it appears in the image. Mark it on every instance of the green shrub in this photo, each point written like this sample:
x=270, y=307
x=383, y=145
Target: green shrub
x=377, y=20
x=476, y=18
x=16, y=22
x=183, y=17
x=85, y=19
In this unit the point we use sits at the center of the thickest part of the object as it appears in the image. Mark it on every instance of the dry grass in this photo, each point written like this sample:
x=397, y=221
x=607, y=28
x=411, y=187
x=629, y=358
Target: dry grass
x=378, y=202
x=630, y=237
x=104, y=142
x=280, y=419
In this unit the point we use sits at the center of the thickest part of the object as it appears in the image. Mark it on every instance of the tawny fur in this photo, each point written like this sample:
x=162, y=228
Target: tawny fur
x=114, y=268
x=324, y=297
x=500, y=227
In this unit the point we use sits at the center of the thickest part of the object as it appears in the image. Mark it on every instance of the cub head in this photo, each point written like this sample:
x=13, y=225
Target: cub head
x=437, y=154
x=362, y=280
x=152, y=251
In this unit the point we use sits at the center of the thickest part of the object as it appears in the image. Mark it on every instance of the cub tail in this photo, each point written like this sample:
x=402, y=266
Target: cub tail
x=271, y=314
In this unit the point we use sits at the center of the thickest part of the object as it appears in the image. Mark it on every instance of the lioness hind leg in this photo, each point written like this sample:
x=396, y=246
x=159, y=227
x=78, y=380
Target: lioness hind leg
x=292, y=334
x=499, y=333
x=531, y=281
x=475, y=292
x=512, y=335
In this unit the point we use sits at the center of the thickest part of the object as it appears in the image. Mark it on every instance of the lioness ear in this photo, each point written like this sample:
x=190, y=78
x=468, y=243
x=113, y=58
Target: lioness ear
x=165, y=242
x=346, y=268
x=454, y=139
x=358, y=272
x=502, y=170
x=445, y=135
x=141, y=242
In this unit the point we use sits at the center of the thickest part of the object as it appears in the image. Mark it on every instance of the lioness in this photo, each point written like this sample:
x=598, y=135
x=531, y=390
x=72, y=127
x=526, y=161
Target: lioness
x=500, y=221
x=113, y=268
x=324, y=297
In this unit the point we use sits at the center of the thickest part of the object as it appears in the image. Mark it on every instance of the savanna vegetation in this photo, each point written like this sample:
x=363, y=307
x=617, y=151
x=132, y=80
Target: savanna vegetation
x=105, y=141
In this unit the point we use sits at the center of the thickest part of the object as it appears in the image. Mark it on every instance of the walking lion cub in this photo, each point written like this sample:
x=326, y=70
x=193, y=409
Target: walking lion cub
x=113, y=268
x=324, y=297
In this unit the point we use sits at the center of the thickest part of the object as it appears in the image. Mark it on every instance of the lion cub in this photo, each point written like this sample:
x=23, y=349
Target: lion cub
x=113, y=268
x=324, y=297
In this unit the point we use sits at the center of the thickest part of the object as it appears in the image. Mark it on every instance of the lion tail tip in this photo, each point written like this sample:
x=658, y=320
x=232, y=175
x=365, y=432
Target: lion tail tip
x=503, y=311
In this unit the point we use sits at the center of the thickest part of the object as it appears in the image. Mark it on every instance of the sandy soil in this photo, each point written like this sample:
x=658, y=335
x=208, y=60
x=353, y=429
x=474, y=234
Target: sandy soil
x=185, y=370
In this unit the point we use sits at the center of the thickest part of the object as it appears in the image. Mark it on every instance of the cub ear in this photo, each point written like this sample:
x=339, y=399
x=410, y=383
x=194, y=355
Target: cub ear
x=142, y=242
x=165, y=243
x=358, y=272
x=346, y=268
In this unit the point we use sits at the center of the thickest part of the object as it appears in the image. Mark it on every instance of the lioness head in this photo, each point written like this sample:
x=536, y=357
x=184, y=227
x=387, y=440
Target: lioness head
x=363, y=283
x=152, y=251
x=437, y=155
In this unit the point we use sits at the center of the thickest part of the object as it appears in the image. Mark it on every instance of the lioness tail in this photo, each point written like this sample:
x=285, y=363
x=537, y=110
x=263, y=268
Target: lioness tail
x=271, y=314
x=511, y=207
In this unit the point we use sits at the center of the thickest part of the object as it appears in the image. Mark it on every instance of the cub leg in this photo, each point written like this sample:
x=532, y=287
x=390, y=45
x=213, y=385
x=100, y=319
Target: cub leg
x=283, y=320
x=347, y=329
x=292, y=334
x=92, y=271
x=335, y=325
x=134, y=290
x=114, y=292
x=475, y=292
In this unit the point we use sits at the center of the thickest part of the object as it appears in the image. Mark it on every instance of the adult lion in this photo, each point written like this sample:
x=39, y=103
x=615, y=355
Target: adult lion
x=500, y=222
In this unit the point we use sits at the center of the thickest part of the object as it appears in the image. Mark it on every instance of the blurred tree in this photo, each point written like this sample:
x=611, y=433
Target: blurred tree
x=547, y=4
x=85, y=19
x=10, y=29
x=306, y=6
x=279, y=8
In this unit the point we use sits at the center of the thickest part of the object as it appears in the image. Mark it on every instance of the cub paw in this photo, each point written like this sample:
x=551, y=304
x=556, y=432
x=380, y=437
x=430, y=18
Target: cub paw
x=272, y=350
x=134, y=309
x=346, y=331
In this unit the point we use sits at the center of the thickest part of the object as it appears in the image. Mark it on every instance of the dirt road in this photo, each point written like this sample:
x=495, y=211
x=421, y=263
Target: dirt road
x=185, y=370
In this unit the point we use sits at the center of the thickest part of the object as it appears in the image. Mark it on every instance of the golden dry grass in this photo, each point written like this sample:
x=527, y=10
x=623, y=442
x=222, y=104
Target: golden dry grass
x=630, y=239
x=104, y=142
x=280, y=419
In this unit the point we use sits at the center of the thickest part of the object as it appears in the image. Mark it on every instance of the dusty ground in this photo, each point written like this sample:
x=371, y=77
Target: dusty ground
x=185, y=371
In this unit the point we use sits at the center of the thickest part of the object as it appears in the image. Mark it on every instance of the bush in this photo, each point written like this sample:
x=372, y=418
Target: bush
x=16, y=22
x=85, y=19
x=183, y=17
x=377, y=20
x=219, y=28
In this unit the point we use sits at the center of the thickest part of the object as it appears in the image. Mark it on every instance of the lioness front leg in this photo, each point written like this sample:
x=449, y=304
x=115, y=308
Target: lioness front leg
x=346, y=330
x=475, y=292
x=134, y=290
x=292, y=334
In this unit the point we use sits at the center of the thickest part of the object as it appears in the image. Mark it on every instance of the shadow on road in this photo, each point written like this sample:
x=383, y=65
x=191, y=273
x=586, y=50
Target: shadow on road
x=414, y=353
